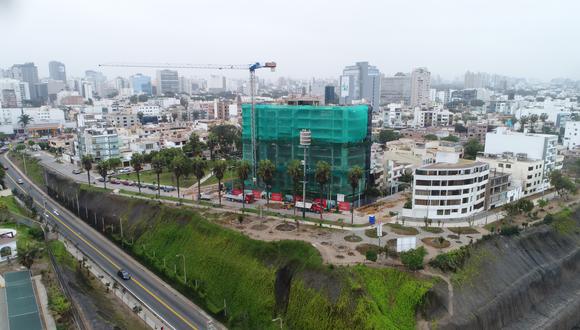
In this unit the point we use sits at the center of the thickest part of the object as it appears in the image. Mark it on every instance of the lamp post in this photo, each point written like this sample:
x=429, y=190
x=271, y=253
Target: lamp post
x=305, y=141
x=184, y=271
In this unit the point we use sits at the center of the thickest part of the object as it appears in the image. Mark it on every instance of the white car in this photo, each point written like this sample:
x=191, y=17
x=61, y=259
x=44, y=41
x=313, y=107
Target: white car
x=20, y=181
x=55, y=212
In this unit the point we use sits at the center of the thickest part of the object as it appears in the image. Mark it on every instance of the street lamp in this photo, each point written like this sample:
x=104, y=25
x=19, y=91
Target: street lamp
x=184, y=271
x=305, y=141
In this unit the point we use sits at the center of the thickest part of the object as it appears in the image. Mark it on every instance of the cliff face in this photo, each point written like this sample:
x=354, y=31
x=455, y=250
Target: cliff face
x=529, y=281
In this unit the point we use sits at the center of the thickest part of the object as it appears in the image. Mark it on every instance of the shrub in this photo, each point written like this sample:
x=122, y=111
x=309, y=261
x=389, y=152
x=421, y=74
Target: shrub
x=413, y=259
x=509, y=230
x=371, y=255
x=451, y=261
x=549, y=218
x=408, y=204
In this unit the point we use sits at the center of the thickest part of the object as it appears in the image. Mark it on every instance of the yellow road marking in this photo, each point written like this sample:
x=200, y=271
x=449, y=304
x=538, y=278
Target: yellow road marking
x=109, y=260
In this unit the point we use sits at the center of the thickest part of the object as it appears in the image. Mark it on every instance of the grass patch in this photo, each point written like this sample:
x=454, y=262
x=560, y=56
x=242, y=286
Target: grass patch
x=353, y=238
x=9, y=203
x=471, y=268
x=563, y=222
x=166, y=178
x=436, y=242
x=403, y=230
x=372, y=233
x=463, y=230
x=228, y=175
x=34, y=169
x=433, y=230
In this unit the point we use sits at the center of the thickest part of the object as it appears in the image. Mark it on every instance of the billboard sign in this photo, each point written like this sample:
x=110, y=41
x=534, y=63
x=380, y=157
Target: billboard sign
x=406, y=243
x=344, y=86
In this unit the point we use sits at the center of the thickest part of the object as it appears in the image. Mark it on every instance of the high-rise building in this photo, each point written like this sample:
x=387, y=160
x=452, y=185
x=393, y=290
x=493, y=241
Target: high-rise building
x=420, y=86
x=396, y=89
x=341, y=136
x=167, y=82
x=216, y=84
x=27, y=72
x=141, y=84
x=10, y=93
x=57, y=71
x=329, y=95
x=97, y=79
x=360, y=82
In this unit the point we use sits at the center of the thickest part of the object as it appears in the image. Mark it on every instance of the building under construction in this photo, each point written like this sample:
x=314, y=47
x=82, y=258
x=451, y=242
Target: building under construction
x=341, y=136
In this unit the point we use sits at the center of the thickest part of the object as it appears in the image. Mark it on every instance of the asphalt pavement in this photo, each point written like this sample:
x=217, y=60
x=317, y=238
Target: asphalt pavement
x=177, y=311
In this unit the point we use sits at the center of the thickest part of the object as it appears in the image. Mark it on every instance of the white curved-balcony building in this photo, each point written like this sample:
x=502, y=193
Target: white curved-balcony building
x=449, y=190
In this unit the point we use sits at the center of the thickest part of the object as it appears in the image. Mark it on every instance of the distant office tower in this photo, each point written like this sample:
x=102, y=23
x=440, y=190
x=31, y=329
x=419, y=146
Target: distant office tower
x=360, y=81
x=98, y=80
x=141, y=84
x=475, y=80
x=167, y=82
x=396, y=89
x=28, y=73
x=329, y=96
x=57, y=71
x=420, y=86
x=10, y=93
x=216, y=84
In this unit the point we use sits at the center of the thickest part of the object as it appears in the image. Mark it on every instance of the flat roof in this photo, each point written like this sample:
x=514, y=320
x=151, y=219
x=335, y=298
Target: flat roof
x=22, y=308
x=462, y=163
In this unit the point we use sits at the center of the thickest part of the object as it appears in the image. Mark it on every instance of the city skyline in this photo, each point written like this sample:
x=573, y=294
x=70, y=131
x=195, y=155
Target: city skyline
x=398, y=42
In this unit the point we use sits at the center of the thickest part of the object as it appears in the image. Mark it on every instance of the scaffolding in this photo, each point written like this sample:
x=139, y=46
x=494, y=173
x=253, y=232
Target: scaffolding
x=341, y=136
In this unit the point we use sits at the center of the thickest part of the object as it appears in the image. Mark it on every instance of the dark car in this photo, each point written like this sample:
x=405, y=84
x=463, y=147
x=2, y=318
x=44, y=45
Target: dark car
x=124, y=274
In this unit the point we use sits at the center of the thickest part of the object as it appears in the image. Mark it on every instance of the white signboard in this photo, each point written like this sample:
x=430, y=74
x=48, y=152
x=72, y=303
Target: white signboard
x=340, y=197
x=406, y=243
x=380, y=229
x=344, y=86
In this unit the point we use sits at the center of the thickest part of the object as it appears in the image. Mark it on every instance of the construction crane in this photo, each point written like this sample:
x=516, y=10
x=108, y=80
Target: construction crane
x=250, y=67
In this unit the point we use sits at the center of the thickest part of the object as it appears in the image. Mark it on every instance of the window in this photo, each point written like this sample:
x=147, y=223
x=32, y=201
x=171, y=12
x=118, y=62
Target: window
x=530, y=168
x=439, y=212
x=464, y=210
x=508, y=165
x=500, y=165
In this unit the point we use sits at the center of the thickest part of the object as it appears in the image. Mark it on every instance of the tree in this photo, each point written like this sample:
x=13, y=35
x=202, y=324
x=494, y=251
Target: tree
x=266, y=170
x=103, y=170
x=143, y=98
x=322, y=176
x=471, y=148
x=212, y=143
x=459, y=128
x=140, y=116
x=354, y=176
x=24, y=120
x=533, y=120
x=406, y=178
x=544, y=117
x=179, y=167
x=28, y=252
x=243, y=171
x=413, y=259
x=562, y=184
x=198, y=168
x=430, y=137
x=295, y=171
x=114, y=163
x=451, y=138
x=195, y=145
x=523, y=122
x=87, y=161
x=542, y=203
x=387, y=135
x=219, y=169
x=157, y=164
x=137, y=164
x=133, y=99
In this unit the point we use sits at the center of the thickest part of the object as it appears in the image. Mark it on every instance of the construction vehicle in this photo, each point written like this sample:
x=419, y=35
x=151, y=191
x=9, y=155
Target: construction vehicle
x=250, y=67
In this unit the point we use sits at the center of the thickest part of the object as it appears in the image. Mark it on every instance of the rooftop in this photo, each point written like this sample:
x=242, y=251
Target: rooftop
x=462, y=163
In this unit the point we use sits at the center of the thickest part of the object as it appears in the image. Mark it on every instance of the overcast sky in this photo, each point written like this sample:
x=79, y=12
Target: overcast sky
x=307, y=38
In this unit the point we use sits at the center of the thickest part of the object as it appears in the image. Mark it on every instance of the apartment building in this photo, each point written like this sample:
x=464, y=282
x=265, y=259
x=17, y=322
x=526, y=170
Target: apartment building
x=100, y=142
x=525, y=172
x=572, y=135
x=436, y=116
x=447, y=190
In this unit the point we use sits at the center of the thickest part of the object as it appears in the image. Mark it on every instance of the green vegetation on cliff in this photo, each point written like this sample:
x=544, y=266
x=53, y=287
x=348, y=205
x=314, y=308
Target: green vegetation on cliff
x=226, y=268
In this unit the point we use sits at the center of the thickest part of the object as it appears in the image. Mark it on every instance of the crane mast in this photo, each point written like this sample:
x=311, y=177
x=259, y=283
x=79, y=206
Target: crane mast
x=250, y=67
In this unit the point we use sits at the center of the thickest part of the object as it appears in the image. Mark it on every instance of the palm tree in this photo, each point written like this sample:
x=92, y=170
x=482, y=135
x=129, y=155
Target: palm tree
x=137, y=164
x=296, y=173
x=219, y=169
x=354, y=176
x=322, y=177
x=87, y=162
x=157, y=164
x=212, y=143
x=103, y=170
x=266, y=170
x=533, y=120
x=24, y=120
x=243, y=171
x=523, y=121
x=179, y=167
x=198, y=167
x=544, y=117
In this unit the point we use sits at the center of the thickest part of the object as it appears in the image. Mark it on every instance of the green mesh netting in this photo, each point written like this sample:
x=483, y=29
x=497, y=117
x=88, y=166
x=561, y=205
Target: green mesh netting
x=340, y=136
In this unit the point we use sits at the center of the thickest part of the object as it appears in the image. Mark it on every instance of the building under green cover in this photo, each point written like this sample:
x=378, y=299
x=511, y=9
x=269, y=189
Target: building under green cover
x=341, y=136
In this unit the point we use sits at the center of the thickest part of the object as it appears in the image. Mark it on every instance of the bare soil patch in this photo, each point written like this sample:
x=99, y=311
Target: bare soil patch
x=285, y=227
x=436, y=242
x=352, y=238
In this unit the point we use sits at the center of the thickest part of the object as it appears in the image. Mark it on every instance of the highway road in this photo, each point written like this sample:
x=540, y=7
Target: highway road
x=174, y=308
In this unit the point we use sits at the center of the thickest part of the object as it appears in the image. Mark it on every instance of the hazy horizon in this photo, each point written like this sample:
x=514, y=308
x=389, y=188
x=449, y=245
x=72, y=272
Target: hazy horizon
x=528, y=39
